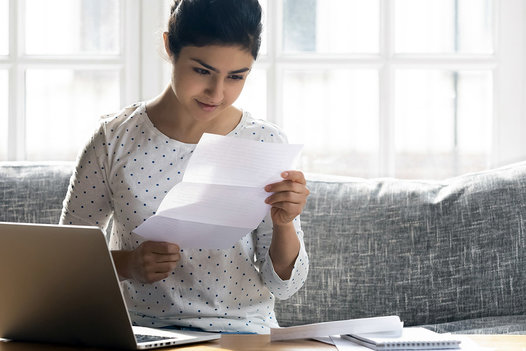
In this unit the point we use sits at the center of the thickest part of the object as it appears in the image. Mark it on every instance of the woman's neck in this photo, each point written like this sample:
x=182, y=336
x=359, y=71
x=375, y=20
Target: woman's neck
x=171, y=119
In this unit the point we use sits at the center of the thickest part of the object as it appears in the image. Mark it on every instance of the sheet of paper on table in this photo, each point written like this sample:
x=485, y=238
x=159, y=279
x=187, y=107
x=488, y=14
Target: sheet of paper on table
x=386, y=324
x=221, y=197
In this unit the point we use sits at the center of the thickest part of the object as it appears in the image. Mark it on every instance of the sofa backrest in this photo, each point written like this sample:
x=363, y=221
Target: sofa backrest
x=33, y=192
x=430, y=252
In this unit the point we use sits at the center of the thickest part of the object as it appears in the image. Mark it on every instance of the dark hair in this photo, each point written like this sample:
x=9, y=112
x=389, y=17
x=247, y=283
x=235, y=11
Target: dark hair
x=215, y=22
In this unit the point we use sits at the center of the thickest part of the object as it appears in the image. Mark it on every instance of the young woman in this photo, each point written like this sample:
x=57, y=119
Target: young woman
x=136, y=156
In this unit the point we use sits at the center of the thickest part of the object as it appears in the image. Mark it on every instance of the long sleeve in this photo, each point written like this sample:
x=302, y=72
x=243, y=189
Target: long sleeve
x=88, y=200
x=281, y=289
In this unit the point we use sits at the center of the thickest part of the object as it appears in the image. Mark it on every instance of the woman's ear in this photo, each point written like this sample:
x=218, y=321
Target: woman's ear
x=167, y=45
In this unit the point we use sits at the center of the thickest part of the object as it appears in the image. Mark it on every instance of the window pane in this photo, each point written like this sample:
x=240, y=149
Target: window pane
x=444, y=26
x=443, y=122
x=334, y=113
x=264, y=7
x=3, y=113
x=254, y=96
x=331, y=26
x=71, y=27
x=4, y=27
x=63, y=107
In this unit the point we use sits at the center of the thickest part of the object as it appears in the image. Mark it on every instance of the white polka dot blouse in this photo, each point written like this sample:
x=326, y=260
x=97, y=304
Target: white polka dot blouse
x=123, y=173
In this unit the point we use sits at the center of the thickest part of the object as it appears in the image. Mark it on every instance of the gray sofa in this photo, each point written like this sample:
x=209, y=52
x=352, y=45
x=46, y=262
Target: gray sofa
x=448, y=255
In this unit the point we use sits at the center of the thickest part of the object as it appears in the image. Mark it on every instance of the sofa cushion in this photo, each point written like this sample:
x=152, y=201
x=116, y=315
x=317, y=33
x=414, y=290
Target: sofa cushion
x=486, y=325
x=33, y=192
x=430, y=252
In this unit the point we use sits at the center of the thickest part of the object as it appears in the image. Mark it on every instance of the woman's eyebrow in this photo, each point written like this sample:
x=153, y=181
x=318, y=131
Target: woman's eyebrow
x=207, y=66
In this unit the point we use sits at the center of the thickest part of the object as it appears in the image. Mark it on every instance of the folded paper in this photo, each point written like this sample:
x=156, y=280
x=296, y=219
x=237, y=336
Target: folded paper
x=221, y=197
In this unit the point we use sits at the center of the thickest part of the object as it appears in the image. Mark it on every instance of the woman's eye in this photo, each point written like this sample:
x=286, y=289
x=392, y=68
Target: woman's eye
x=236, y=77
x=201, y=71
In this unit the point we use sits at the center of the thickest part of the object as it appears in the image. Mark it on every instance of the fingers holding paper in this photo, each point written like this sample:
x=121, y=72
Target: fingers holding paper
x=288, y=198
x=153, y=261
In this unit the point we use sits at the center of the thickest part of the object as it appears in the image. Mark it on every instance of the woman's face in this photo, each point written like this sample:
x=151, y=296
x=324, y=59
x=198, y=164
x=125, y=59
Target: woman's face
x=207, y=80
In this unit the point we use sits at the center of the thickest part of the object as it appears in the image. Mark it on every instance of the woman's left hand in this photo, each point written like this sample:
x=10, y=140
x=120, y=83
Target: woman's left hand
x=289, y=198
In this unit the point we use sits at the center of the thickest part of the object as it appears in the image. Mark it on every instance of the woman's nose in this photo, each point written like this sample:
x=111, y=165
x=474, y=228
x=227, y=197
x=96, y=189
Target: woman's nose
x=215, y=89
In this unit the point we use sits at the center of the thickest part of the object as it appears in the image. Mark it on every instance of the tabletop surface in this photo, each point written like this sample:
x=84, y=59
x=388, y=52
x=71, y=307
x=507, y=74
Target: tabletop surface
x=232, y=342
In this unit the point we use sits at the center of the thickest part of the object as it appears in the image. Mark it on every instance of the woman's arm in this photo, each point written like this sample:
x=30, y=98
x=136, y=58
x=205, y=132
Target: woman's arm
x=287, y=201
x=284, y=249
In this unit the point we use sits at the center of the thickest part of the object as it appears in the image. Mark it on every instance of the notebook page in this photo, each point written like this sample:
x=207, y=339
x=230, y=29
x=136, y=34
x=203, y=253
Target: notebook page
x=411, y=339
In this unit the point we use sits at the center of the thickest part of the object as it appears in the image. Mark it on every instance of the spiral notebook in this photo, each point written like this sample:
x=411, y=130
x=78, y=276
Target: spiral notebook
x=411, y=339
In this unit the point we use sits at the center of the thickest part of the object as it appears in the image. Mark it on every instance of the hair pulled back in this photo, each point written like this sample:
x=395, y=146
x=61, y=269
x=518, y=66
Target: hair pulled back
x=215, y=22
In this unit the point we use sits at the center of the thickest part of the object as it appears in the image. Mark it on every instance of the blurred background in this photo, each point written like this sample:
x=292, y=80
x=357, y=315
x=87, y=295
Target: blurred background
x=420, y=89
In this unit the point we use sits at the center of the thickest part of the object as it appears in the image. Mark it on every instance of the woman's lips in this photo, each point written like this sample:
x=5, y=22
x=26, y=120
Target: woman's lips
x=207, y=107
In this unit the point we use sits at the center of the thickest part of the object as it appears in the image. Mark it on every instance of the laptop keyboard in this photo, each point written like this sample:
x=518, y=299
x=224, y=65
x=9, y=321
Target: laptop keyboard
x=149, y=338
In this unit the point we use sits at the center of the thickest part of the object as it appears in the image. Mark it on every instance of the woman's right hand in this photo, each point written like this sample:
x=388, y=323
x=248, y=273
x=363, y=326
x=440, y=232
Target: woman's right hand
x=150, y=262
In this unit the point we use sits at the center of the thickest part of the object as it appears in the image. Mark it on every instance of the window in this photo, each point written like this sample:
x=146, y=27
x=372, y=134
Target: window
x=405, y=88
x=3, y=114
x=63, y=63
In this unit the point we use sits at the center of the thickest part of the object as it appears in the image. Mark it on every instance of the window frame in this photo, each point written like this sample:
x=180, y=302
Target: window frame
x=144, y=74
x=16, y=62
x=506, y=64
x=509, y=144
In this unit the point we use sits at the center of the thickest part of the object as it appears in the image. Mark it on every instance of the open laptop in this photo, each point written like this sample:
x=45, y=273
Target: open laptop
x=58, y=284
